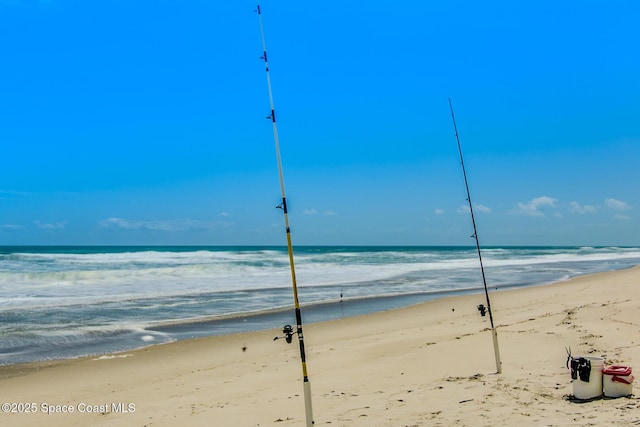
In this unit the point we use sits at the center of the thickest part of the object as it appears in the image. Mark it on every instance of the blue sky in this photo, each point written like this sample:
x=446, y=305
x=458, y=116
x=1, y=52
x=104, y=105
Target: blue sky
x=143, y=122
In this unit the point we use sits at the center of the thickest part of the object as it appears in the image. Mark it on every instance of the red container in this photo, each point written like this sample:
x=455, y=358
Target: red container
x=617, y=381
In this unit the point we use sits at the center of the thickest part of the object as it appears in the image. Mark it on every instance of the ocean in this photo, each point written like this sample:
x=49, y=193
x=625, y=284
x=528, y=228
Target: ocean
x=66, y=302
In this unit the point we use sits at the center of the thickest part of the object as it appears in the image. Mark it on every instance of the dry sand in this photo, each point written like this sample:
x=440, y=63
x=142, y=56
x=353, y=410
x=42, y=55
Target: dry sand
x=428, y=365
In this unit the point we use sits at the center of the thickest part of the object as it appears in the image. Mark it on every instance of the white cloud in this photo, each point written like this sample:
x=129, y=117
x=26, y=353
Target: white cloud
x=621, y=217
x=224, y=214
x=182, y=224
x=439, y=211
x=116, y=223
x=617, y=205
x=12, y=227
x=10, y=194
x=49, y=226
x=535, y=207
x=476, y=208
x=575, y=207
x=328, y=212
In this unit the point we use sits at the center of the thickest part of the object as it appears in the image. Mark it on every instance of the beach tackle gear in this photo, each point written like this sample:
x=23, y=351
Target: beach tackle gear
x=580, y=367
x=586, y=376
x=617, y=381
x=482, y=309
x=475, y=236
x=288, y=330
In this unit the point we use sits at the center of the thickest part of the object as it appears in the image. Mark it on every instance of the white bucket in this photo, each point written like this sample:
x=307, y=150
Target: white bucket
x=592, y=388
x=617, y=381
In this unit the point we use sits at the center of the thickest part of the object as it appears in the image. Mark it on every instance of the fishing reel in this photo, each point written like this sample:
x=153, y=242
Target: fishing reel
x=288, y=332
x=482, y=309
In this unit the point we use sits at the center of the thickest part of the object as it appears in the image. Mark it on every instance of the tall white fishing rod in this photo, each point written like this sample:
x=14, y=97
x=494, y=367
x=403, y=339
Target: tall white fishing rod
x=475, y=236
x=287, y=330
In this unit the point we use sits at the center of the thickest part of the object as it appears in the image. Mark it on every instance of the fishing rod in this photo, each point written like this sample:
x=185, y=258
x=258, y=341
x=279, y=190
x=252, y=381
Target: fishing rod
x=475, y=236
x=287, y=330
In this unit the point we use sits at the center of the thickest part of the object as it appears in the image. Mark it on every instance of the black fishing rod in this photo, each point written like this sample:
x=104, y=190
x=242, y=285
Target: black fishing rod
x=288, y=330
x=475, y=236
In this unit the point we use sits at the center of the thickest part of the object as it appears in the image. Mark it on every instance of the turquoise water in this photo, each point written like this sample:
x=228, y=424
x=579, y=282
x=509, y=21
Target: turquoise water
x=59, y=302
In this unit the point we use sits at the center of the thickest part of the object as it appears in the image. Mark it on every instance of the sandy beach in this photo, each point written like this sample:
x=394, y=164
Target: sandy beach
x=427, y=365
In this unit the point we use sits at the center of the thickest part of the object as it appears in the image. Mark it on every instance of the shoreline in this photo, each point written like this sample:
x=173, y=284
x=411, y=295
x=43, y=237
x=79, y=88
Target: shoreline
x=428, y=364
x=235, y=323
x=162, y=332
x=141, y=298
x=165, y=332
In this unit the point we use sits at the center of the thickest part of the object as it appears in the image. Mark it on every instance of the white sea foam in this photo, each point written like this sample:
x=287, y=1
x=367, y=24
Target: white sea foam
x=109, y=296
x=59, y=278
x=113, y=356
